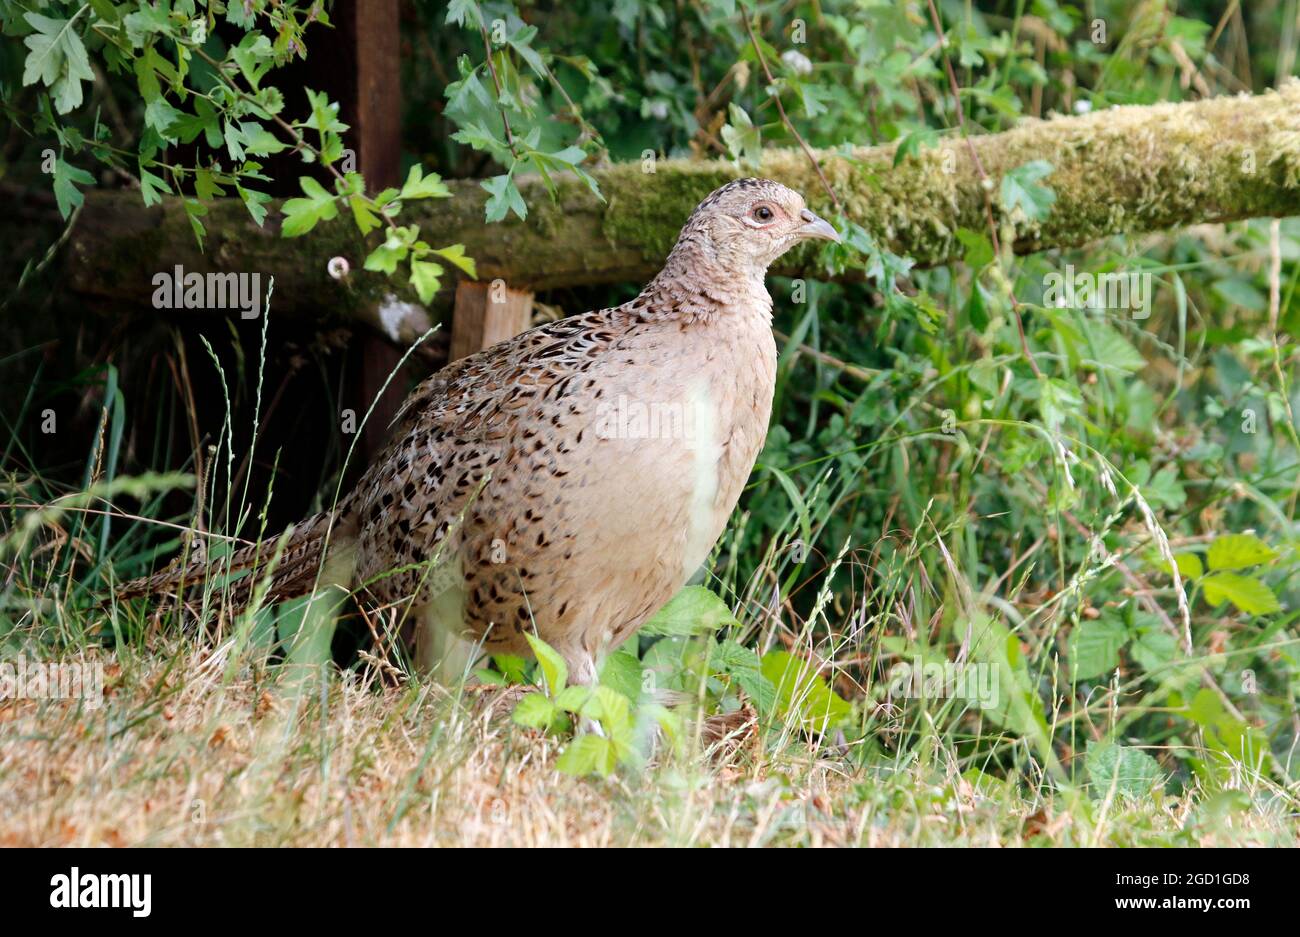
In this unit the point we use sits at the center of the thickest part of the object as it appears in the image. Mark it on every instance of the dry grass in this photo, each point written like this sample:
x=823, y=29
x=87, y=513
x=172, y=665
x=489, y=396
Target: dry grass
x=180, y=755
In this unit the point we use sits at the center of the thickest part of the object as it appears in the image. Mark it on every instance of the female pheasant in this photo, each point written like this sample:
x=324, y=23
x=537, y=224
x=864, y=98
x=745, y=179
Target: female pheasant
x=570, y=480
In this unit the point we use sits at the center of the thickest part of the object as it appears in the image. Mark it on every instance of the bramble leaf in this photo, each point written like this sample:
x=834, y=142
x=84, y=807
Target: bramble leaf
x=1238, y=551
x=1250, y=594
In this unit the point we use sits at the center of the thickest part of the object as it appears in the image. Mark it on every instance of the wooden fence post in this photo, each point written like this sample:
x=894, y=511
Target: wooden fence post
x=487, y=313
x=361, y=64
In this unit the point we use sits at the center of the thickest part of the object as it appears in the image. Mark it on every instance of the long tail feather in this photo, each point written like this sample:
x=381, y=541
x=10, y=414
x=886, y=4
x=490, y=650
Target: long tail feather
x=294, y=570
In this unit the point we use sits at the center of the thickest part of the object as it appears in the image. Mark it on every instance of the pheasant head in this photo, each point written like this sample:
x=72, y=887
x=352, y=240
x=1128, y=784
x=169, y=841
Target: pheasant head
x=728, y=243
x=749, y=223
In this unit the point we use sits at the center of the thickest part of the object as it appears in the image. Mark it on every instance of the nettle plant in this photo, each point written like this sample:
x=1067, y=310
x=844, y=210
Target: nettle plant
x=214, y=99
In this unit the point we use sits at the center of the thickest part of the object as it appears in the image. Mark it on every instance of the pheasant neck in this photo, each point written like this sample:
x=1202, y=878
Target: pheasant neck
x=695, y=287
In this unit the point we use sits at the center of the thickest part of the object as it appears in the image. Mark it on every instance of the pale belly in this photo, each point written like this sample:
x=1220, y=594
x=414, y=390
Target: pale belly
x=643, y=499
x=655, y=524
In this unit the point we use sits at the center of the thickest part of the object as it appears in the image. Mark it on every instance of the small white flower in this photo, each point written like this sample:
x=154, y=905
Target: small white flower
x=797, y=62
x=1082, y=106
x=338, y=267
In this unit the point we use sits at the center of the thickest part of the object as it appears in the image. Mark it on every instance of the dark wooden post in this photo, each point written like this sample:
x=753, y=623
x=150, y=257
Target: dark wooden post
x=359, y=62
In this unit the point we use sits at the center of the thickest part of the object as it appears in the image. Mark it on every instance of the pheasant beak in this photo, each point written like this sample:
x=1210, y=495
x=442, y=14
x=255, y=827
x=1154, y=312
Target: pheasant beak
x=815, y=227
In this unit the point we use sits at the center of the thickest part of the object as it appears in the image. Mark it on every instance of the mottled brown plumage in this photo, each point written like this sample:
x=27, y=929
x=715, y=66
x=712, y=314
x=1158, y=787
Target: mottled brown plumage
x=570, y=480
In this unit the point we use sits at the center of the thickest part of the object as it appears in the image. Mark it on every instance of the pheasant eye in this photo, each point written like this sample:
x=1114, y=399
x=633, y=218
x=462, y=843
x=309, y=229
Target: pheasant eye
x=763, y=213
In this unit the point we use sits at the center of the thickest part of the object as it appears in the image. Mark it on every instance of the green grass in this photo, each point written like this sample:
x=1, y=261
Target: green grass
x=183, y=754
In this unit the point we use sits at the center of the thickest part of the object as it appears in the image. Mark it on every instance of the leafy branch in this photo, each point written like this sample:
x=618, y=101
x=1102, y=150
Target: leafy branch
x=472, y=107
x=242, y=121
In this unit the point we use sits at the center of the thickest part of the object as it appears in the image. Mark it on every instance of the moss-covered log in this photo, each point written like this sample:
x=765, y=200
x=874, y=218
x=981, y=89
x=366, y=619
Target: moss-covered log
x=1122, y=170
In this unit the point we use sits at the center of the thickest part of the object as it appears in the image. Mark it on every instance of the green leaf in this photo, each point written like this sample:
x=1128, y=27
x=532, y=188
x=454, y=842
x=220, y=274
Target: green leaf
x=505, y=198
x=535, y=711
x=1163, y=490
x=66, y=178
x=1189, y=565
x=234, y=140
x=912, y=143
x=146, y=21
x=1241, y=293
x=1248, y=593
x=588, y=754
x=386, y=257
x=1094, y=647
x=572, y=698
x=1057, y=401
x=694, y=610
x=743, y=665
x=259, y=141
x=150, y=187
x=554, y=669
x=1129, y=772
x=253, y=57
x=425, y=277
x=744, y=141
x=570, y=156
x=1020, y=189
x=161, y=116
x=418, y=185
x=1231, y=741
x=255, y=202
x=194, y=211
x=474, y=134
x=521, y=42
x=802, y=693
x=977, y=307
x=1237, y=551
x=622, y=672
x=206, y=186
x=146, y=76
x=365, y=219
x=609, y=707
x=57, y=59
x=979, y=249
x=1153, y=649
x=301, y=214
x=1110, y=350
x=512, y=667
x=813, y=97
x=458, y=11
x=1016, y=703
x=922, y=308
x=455, y=255
x=270, y=101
